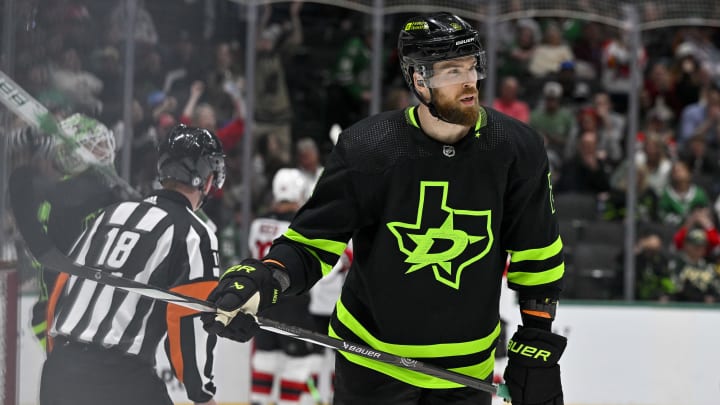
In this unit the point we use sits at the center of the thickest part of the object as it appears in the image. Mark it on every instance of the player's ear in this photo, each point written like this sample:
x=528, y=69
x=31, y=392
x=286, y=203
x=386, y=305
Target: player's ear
x=420, y=84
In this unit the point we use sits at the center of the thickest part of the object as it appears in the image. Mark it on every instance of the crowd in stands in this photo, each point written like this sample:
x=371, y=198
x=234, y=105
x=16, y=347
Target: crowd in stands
x=568, y=79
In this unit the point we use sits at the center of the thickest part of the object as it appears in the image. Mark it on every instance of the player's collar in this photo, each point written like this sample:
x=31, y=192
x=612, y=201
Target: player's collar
x=412, y=118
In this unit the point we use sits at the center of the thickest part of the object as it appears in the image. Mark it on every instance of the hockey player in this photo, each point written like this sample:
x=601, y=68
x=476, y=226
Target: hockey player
x=65, y=193
x=433, y=197
x=106, y=339
x=279, y=359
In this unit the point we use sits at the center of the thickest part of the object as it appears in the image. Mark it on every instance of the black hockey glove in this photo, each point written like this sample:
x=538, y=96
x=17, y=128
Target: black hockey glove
x=242, y=291
x=533, y=373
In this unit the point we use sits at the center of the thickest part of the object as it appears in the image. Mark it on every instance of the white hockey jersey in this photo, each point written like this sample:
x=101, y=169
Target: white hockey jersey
x=262, y=233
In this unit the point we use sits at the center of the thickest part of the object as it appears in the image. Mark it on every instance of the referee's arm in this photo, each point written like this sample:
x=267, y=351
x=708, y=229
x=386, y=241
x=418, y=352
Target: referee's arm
x=188, y=346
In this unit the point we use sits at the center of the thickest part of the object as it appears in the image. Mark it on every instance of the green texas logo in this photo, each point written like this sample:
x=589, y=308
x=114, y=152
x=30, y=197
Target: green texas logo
x=443, y=239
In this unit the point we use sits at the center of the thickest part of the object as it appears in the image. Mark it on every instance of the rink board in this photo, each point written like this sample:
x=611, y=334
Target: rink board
x=616, y=355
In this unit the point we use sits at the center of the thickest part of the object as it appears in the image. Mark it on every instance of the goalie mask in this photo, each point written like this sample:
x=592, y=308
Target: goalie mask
x=90, y=142
x=189, y=155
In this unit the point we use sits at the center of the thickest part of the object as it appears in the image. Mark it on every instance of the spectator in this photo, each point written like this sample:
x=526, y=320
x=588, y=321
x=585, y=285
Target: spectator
x=509, y=31
x=689, y=75
x=349, y=94
x=658, y=121
x=695, y=278
x=508, y=102
x=203, y=116
x=700, y=218
x=586, y=172
x=82, y=87
x=659, y=89
x=586, y=120
x=552, y=120
x=107, y=67
x=273, y=112
x=145, y=32
x=572, y=81
x=588, y=48
x=185, y=65
x=548, y=56
x=680, y=196
x=150, y=73
x=703, y=117
x=224, y=84
x=701, y=160
x=654, y=156
x=647, y=200
x=616, y=69
x=611, y=127
x=653, y=280
x=308, y=161
x=517, y=60
x=701, y=44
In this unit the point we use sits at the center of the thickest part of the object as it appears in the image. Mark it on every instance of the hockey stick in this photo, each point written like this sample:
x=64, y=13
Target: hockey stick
x=30, y=110
x=54, y=260
x=50, y=257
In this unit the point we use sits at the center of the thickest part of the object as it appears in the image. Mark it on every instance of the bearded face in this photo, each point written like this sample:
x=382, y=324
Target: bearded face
x=454, y=92
x=457, y=104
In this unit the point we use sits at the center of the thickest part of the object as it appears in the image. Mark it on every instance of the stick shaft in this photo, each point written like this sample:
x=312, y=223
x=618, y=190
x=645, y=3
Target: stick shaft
x=53, y=259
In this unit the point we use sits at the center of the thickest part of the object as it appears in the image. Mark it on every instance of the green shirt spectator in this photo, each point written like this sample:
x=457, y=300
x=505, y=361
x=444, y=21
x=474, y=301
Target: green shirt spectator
x=680, y=196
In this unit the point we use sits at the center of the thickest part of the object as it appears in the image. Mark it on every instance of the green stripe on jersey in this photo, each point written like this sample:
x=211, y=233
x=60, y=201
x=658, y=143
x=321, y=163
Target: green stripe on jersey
x=326, y=245
x=415, y=351
x=531, y=279
x=543, y=253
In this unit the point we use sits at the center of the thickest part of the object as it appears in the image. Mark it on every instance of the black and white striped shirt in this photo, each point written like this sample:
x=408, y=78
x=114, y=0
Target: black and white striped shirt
x=158, y=241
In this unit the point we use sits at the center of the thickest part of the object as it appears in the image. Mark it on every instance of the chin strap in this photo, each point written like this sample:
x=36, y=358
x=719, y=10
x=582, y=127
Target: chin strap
x=430, y=105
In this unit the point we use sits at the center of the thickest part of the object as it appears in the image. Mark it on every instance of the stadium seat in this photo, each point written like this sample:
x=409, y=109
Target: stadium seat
x=607, y=232
x=595, y=267
x=576, y=206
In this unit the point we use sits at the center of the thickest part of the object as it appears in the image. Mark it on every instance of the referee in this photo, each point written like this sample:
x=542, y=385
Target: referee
x=105, y=339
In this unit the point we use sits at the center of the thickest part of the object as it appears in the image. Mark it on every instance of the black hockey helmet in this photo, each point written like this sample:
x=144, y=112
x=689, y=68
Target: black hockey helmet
x=189, y=155
x=425, y=40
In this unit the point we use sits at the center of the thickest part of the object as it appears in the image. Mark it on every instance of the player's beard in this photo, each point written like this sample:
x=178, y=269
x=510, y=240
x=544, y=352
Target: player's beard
x=453, y=111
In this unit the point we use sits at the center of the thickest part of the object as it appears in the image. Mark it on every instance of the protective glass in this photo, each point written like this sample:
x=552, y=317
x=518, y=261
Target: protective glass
x=455, y=71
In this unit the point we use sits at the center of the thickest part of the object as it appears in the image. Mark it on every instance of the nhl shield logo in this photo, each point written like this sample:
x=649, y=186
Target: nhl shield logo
x=448, y=150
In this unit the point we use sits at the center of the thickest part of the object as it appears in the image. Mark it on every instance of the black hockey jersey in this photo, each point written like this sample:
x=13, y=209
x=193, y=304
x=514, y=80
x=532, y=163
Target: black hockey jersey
x=63, y=207
x=432, y=225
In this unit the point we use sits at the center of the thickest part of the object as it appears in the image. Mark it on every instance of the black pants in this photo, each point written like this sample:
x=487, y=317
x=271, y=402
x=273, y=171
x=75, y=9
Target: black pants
x=357, y=385
x=78, y=374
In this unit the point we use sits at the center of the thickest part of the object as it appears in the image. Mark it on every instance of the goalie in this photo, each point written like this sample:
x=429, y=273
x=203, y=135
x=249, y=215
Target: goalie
x=64, y=191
